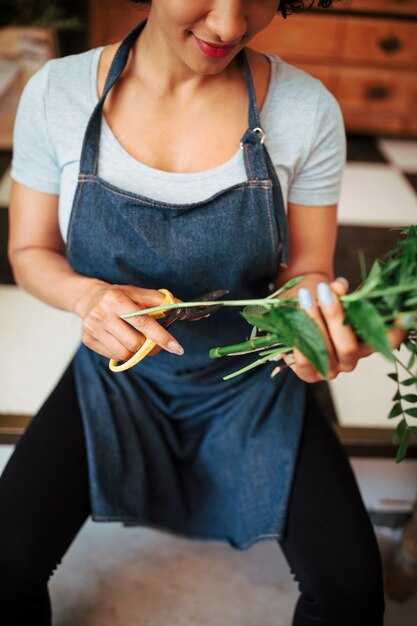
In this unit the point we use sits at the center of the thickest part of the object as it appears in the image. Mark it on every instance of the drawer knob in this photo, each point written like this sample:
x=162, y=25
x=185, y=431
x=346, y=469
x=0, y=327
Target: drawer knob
x=390, y=44
x=377, y=92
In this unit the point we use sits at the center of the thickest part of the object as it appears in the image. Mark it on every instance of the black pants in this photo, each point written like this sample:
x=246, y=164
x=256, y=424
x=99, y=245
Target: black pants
x=330, y=544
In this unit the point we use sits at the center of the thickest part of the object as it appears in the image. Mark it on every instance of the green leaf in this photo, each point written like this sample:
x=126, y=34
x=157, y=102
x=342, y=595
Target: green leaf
x=412, y=301
x=394, y=376
x=369, y=326
x=399, y=431
x=255, y=309
x=395, y=411
x=263, y=322
x=296, y=329
x=293, y=282
x=411, y=397
x=411, y=345
x=403, y=447
x=411, y=361
x=397, y=396
x=411, y=412
x=362, y=264
x=413, y=430
x=375, y=272
x=409, y=381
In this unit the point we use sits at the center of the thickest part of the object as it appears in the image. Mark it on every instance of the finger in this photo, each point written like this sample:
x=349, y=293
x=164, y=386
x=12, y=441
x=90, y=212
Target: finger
x=117, y=302
x=149, y=327
x=340, y=285
x=156, y=350
x=396, y=336
x=343, y=338
x=311, y=308
x=144, y=298
x=302, y=367
x=105, y=344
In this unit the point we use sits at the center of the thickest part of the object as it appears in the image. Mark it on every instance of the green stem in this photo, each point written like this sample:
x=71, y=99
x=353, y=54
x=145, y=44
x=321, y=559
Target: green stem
x=283, y=350
x=356, y=295
x=399, y=390
x=182, y=305
x=247, y=368
x=404, y=366
x=246, y=346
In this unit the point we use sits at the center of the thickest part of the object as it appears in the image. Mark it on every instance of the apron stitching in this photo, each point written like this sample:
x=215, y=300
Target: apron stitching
x=92, y=178
x=253, y=184
x=271, y=227
x=248, y=166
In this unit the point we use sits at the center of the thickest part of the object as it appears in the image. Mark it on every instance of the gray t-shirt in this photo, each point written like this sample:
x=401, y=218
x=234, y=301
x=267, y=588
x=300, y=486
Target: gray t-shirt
x=303, y=123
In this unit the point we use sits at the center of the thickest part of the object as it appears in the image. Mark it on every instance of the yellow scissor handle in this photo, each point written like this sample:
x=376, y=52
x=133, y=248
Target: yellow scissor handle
x=148, y=345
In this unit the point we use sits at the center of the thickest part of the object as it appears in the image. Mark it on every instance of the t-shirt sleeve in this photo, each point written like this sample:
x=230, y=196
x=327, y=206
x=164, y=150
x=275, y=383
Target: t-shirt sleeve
x=34, y=161
x=318, y=180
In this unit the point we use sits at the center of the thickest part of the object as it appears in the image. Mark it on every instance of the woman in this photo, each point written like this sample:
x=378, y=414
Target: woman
x=182, y=185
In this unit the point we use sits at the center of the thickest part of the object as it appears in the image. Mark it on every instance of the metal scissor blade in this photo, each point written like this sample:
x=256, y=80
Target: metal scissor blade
x=211, y=295
x=191, y=313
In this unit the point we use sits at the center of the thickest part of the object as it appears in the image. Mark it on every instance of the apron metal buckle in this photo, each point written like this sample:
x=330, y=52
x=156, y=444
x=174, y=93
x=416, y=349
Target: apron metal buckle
x=259, y=132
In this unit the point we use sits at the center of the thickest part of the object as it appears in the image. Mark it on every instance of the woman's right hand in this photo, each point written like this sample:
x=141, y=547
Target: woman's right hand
x=107, y=334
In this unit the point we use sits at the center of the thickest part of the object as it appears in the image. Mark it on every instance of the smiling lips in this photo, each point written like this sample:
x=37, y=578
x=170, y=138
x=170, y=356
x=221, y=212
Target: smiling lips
x=214, y=50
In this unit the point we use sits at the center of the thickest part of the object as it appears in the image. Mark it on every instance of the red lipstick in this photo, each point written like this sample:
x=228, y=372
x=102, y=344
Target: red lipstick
x=214, y=49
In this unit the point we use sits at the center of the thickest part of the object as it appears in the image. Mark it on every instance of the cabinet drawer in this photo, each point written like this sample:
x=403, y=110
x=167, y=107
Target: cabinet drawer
x=378, y=95
x=388, y=42
x=405, y=7
x=301, y=36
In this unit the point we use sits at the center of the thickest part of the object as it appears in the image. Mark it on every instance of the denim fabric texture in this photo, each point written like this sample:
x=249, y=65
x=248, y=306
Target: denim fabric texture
x=170, y=444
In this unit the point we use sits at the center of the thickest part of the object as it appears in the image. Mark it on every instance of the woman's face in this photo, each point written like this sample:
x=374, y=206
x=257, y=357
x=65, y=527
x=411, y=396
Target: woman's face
x=207, y=34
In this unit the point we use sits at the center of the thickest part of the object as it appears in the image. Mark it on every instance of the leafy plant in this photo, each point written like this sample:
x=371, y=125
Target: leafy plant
x=386, y=298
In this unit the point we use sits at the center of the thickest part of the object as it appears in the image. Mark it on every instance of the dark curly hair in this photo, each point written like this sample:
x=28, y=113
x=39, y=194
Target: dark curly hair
x=285, y=6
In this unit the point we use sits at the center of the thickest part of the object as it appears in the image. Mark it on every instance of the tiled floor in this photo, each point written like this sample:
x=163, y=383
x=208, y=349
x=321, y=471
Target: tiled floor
x=140, y=576
x=144, y=577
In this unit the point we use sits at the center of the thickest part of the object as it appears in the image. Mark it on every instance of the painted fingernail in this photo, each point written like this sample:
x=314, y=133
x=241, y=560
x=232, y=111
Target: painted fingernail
x=305, y=298
x=175, y=347
x=324, y=294
x=344, y=281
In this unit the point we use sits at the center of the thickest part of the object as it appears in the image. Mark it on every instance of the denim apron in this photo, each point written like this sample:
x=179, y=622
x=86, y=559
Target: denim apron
x=170, y=444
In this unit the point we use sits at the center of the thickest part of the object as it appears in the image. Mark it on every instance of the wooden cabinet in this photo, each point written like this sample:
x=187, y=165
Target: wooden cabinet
x=364, y=51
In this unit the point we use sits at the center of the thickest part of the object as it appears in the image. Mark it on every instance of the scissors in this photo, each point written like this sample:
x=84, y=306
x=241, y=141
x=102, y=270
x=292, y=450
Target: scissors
x=184, y=314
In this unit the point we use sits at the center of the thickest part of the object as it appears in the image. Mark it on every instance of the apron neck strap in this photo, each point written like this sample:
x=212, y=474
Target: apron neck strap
x=254, y=121
x=90, y=148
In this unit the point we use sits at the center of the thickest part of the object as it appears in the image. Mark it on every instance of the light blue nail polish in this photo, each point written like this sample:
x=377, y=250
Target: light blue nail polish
x=324, y=294
x=305, y=298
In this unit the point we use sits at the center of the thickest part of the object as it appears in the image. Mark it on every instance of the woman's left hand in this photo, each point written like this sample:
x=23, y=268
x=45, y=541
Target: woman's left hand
x=343, y=347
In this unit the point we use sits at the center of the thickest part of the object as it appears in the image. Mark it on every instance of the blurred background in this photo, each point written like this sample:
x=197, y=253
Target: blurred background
x=365, y=53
